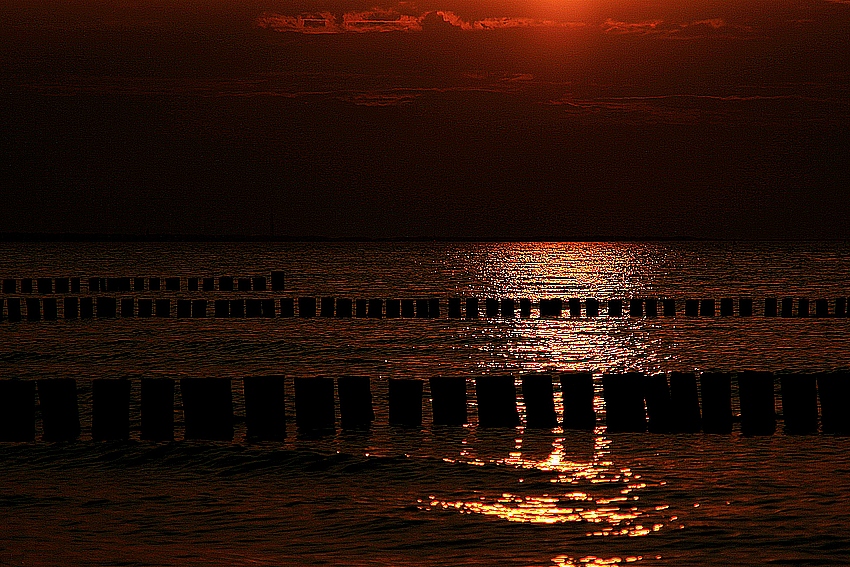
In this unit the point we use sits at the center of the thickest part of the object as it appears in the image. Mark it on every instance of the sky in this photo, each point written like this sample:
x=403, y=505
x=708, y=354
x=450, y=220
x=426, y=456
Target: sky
x=549, y=119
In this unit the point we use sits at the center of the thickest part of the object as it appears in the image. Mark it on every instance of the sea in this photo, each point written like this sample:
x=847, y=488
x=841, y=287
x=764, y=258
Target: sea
x=441, y=496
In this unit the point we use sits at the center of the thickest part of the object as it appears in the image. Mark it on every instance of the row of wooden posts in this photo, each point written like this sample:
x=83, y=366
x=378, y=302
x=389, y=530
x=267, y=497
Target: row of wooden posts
x=48, y=286
x=105, y=306
x=680, y=403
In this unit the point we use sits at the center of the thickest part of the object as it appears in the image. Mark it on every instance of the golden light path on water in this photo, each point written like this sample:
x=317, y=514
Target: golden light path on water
x=596, y=493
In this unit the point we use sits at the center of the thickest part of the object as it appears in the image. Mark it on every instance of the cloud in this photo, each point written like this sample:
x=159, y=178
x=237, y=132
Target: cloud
x=675, y=30
x=395, y=20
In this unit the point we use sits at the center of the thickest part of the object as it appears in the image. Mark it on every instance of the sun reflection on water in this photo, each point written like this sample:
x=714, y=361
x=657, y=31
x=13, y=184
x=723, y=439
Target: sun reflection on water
x=597, y=493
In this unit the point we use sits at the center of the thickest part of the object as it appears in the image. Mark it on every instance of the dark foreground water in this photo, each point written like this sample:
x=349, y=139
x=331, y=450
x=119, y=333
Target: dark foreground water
x=436, y=496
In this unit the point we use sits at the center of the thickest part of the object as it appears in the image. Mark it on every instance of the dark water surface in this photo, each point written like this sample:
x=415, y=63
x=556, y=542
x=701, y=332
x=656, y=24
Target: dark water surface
x=438, y=496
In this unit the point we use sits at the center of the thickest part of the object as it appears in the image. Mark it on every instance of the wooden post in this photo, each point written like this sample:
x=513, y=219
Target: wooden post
x=110, y=410
x=405, y=400
x=684, y=401
x=577, y=394
x=799, y=403
x=448, y=400
x=716, y=389
x=758, y=414
x=265, y=410
x=314, y=404
x=496, y=397
x=60, y=417
x=157, y=405
x=539, y=403
x=17, y=411
x=355, y=402
x=207, y=408
x=624, y=405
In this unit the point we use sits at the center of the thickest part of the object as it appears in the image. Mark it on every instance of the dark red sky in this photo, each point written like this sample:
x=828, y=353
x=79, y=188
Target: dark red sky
x=549, y=118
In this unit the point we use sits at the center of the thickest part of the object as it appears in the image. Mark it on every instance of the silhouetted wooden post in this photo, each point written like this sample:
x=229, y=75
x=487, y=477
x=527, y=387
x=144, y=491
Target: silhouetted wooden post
x=10, y=285
x=551, y=307
x=434, y=308
x=314, y=404
x=157, y=407
x=327, y=307
x=393, y=308
x=199, y=308
x=624, y=405
x=145, y=308
x=172, y=284
x=577, y=395
x=222, y=308
x=207, y=408
x=237, y=308
x=651, y=306
x=192, y=284
x=727, y=308
x=306, y=306
x=50, y=308
x=259, y=283
x=75, y=285
x=471, y=307
x=60, y=417
x=758, y=412
x=267, y=308
x=13, y=307
x=491, y=307
x=355, y=402
x=716, y=389
x=110, y=418
x=376, y=309
x=496, y=397
x=787, y=306
x=834, y=391
x=360, y=306
x=770, y=305
x=656, y=392
x=265, y=410
x=507, y=308
x=26, y=285
x=278, y=281
x=821, y=308
x=799, y=403
x=128, y=307
x=86, y=308
x=33, y=309
x=539, y=401
x=615, y=307
x=225, y=283
x=454, y=308
x=209, y=284
x=163, y=307
x=2, y=301
x=635, y=307
x=669, y=306
x=691, y=308
x=745, y=307
x=243, y=284
x=253, y=308
x=405, y=400
x=287, y=307
x=184, y=308
x=448, y=400
x=343, y=307
x=62, y=285
x=408, y=310
x=44, y=286
x=591, y=307
x=841, y=307
x=17, y=411
x=574, y=306
x=71, y=308
x=706, y=308
x=107, y=307
x=802, y=307
x=422, y=308
x=525, y=307
x=684, y=402
x=94, y=285
x=154, y=284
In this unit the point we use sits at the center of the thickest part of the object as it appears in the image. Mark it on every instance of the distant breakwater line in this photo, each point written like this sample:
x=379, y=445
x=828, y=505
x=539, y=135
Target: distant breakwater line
x=681, y=402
